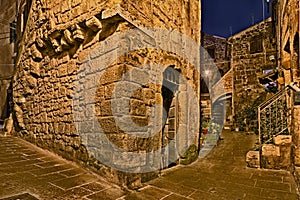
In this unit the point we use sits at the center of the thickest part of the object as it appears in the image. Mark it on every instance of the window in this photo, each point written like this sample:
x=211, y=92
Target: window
x=256, y=45
x=296, y=43
x=266, y=71
x=287, y=47
x=12, y=32
x=211, y=52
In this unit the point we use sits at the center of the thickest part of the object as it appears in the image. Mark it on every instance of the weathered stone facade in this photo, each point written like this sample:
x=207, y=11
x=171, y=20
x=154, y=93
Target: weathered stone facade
x=250, y=55
x=65, y=44
x=277, y=155
x=216, y=53
x=286, y=20
x=214, y=65
x=7, y=16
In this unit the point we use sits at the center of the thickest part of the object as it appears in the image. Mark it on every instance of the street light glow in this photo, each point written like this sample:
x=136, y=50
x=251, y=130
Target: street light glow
x=206, y=72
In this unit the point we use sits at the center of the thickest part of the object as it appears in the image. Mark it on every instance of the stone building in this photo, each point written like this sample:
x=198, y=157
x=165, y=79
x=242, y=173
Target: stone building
x=96, y=85
x=216, y=49
x=253, y=53
x=278, y=116
x=7, y=48
x=286, y=21
x=215, y=54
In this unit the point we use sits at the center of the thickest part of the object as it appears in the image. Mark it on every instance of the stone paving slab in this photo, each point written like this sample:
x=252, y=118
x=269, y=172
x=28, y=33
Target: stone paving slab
x=72, y=172
x=24, y=196
x=75, y=181
x=152, y=192
x=107, y=194
x=35, y=173
x=223, y=175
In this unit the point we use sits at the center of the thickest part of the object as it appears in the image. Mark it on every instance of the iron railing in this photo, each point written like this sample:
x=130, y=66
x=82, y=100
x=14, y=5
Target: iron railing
x=273, y=117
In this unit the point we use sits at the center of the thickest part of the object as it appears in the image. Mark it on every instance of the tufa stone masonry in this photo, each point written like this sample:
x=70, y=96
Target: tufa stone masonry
x=250, y=59
x=62, y=47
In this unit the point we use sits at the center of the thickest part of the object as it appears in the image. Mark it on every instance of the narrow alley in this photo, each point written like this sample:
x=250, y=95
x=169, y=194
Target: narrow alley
x=222, y=175
x=149, y=100
x=34, y=173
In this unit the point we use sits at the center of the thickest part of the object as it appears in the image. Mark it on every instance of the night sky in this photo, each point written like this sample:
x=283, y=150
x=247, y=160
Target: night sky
x=219, y=15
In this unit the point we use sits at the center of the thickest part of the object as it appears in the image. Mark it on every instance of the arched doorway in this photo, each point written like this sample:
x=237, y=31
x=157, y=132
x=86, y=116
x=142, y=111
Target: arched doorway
x=170, y=90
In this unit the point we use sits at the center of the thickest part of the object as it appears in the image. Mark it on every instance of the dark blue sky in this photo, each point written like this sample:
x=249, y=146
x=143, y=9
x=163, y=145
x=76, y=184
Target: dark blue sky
x=219, y=15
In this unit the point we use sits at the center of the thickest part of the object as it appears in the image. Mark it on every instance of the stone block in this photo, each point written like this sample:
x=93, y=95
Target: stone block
x=108, y=125
x=137, y=108
x=104, y=108
x=149, y=94
x=8, y=125
x=125, y=89
x=62, y=70
x=94, y=24
x=36, y=54
x=284, y=143
x=253, y=159
x=131, y=160
x=270, y=156
x=297, y=156
x=283, y=139
x=270, y=150
x=132, y=124
x=285, y=156
x=109, y=13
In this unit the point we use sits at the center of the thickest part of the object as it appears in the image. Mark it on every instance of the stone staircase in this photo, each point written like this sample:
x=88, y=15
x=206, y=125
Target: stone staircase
x=223, y=87
x=221, y=91
x=209, y=143
x=275, y=140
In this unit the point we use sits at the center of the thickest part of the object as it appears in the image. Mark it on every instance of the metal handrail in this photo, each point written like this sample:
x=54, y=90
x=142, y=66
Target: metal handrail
x=273, y=98
x=267, y=105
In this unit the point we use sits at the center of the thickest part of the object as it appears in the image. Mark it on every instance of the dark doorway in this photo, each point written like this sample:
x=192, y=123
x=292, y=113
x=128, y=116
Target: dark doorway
x=169, y=92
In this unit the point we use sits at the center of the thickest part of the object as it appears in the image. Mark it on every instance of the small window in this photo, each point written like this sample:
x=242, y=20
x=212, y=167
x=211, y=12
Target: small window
x=266, y=71
x=256, y=45
x=287, y=47
x=12, y=32
x=296, y=43
x=211, y=52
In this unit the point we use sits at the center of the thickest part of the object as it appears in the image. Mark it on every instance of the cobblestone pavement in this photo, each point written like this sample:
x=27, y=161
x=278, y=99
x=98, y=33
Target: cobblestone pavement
x=221, y=175
x=28, y=172
x=32, y=173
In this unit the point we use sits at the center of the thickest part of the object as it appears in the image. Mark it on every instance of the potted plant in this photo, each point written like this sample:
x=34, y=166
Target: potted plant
x=205, y=127
x=215, y=128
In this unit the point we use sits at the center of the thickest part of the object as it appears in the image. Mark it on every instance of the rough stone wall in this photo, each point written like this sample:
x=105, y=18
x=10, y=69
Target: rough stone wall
x=214, y=65
x=7, y=15
x=287, y=28
x=218, y=47
x=59, y=49
x=296, y=135
x=287, y=21
x=173, y=15
x=247, y=66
